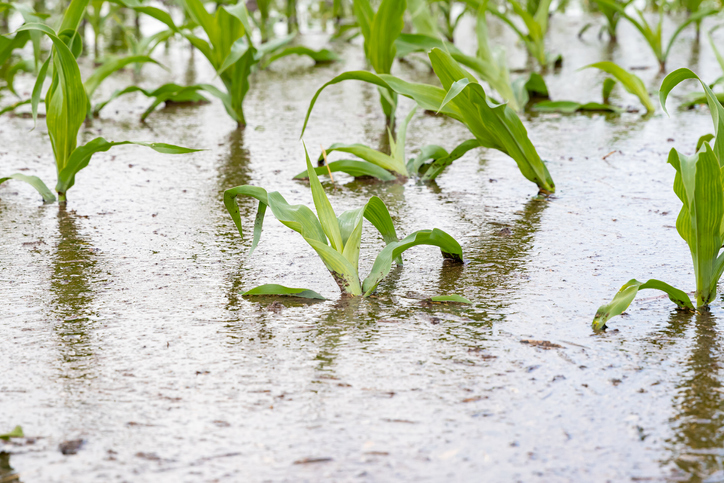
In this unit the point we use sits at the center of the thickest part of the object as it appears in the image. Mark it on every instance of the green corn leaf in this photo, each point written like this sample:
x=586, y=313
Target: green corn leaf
x=274, y=289
x=698, y=185
x=323, y=56
x=66, y=101
x=570, y=107
x=449, y=247
x=439, y=164
x=386, y=26
x=274, y=45
x=398, y=145
x=715, y=108
x=350, y=223
x=38, y=90
x=237, y=51
x=230, y=202
x=627, y=293
x=81, y=156
x=35, y=182
x=459, y=299
x=368, y=154
x=422, y=18
x=427, y=154
x=606, y=88
x=717, y=53
x=325, y=212
x=703, y=139
x=631, y=82
x=297, y=217
x=351, y=167
x=153, y=12
x=495, y=126
x=17, y=432
x=14, y=106
x=167, y=93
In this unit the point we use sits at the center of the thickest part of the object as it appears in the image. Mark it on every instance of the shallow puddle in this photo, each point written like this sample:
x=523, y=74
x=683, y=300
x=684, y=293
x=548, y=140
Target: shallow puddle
x=123, y=324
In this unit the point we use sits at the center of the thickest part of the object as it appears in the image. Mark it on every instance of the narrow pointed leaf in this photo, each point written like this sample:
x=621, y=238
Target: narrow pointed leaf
x=274, y=289
x=35, y=182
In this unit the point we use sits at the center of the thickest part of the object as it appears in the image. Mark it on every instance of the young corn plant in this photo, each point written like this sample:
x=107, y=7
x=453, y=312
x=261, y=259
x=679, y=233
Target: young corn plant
x=700, y=187
x=336, y=239
x=654, y=34
x=536, y=27
x=612, y=17
x=380, y=30
x=66, y=103
x=462, y=98
x=631, y=82
x=229, y=50
x=431, y=161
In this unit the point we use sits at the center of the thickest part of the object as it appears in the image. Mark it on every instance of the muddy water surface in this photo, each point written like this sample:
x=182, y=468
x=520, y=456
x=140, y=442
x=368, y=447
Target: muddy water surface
x=123, y=325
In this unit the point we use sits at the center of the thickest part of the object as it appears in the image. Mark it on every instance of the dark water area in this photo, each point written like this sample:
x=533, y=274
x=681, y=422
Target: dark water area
x=123, y=325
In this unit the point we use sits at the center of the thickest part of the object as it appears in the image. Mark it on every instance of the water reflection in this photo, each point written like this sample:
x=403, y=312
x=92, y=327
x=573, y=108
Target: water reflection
x=7, y=474
x=72, y=295
x=698, y=443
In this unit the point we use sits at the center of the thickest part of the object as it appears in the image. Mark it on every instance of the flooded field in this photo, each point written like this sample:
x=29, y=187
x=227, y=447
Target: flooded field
x=127, y=346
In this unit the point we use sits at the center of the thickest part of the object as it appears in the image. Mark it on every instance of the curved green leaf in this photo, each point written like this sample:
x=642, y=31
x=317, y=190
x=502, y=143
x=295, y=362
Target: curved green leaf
x=35, y=182
x=274, y=289
x=323, y=56
x=631, y=82
x=459, y=299
x=368, y=154
x=627, y=293
x=111, y=66
x=81, y=156
x=449, y=247
x=17, y=432
x=351, y=167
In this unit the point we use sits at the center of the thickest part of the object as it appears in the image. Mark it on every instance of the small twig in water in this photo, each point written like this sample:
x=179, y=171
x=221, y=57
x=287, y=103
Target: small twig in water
x=324, y=154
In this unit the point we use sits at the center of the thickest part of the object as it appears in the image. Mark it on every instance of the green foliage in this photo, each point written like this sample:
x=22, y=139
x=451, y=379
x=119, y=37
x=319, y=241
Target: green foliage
x=699, y=186
x=630, y=81
x=463, y=98
x=389, y=163
x=274, y=289
x=536, y=27
x=337, y=239
x=35, y=182
x=380, y=30
x=458, y=299
x=653, y=34
x=66, y=103
x=167, y=93
x=570, y=107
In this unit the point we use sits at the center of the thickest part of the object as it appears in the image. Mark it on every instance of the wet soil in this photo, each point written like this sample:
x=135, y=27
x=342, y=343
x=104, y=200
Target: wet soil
x=125, y=338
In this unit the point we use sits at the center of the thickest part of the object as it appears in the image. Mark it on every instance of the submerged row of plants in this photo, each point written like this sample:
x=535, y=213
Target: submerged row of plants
x=475, y=90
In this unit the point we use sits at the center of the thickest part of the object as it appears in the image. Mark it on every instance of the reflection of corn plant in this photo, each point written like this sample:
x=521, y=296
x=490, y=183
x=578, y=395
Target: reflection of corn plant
x=700, y=187
x=653, y=35
x=337, y=239
x=66, y=103
x=380, y=29
x=494, y=125
x=431, y=161
x=631, y=82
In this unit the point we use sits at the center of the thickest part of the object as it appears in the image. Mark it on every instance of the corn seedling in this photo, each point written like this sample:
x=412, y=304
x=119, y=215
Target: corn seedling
x=654, y=34
x=700, y=187
x=536, y=27
x=612, y=17
x=631, y=82
x=431, y=161
x=380, y=30
x=337, y=239
x=462, y=98
x=66, y=103
x=229, y=50
x=166, y=94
